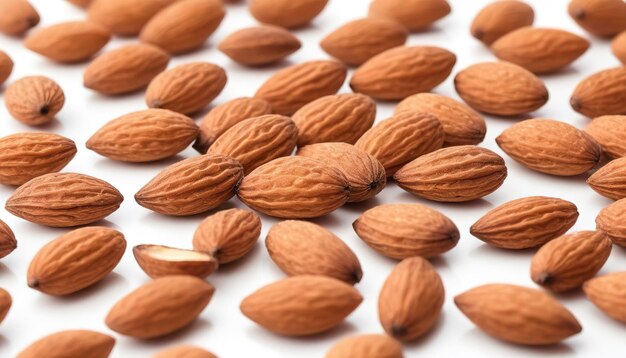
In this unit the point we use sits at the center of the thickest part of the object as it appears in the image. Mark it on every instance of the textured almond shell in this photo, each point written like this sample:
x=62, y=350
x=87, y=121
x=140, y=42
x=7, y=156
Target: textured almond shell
x=366, y=346
x=71, y=343
x=169, y=262
x=185, y=351
x=7, y=240
x=608, y=293
x=610, y=133
x=34, y=100
x=414, y=14
x=122, y=17
x=259, y=45
x=618, y=46
x=610, y=180
x=6, y=66
x=612, y=220
x=599, y=17
x=286, y=13
x=499, y=18
x=17, y=17
x=603, y=93
x=5, y=303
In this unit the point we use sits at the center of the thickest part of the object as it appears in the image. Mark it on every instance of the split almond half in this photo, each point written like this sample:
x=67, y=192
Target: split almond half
x=158, y=260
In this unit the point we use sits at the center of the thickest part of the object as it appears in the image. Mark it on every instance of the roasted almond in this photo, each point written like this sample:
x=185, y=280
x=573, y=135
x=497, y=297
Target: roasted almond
x=610, y=133
x=600, y=17
x=6, y=66
x=608, y=293
x=286, y=13
x=17, y=17
x=158, y=260
x=602, y=93
x=185, y=351
x=499, y=18
x=5, y=303
x=78, y=343
x=610, y=180
x=413, y=14
x=612, y=220
x=259, y=45
x=618, y=46
x=366, y=346
x=34, y=100
x=7, y=240
x=124, y=18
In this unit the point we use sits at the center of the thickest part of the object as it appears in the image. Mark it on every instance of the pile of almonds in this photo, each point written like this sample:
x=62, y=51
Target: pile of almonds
x=299, y=150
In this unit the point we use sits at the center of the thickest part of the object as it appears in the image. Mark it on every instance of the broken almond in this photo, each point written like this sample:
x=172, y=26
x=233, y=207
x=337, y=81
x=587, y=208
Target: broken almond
x=158, y=260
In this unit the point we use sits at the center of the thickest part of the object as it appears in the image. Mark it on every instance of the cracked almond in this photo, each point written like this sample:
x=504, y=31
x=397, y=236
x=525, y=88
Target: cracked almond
x=158, y=260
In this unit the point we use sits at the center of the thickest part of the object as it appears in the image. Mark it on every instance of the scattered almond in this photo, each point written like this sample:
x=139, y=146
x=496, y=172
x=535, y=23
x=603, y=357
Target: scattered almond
x=499, y=18
x=612, y=220
x=5, y=303
x=185, y=351
x=366, y=346
x=78, y=343
x=610, y=133
x=600, y=17
x=618, y=46
x=34, y=100
x=610, y=180
x=286, y=13
x=6, y=66
x=259, y=45
x=7, y=240
x=158, y=260
x=81, y=3
x=603, y=93
x=17, y=17
x=413, y=14
x=608, y=293
x=124, y=18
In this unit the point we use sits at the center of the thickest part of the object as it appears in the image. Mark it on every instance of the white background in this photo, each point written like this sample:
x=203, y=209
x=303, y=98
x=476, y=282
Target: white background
x=221, y=327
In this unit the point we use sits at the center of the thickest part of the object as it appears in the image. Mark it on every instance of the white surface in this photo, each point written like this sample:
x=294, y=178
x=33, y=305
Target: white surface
x=221, y=327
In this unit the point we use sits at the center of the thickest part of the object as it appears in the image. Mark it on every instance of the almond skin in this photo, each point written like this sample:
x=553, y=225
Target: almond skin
x=186, y=88
x=602, y=93
x=5, y=303
x=335, y=118
x=365, y=174
x=401, y=138
x=461, y=124
x=6, y=67
x=304, y=248
x=71, y=343
x=413, y=14
x=411, y=299
x=599, y=17
x=610, y=133
x=144, y=136
x=291, y=88
x=470, y=173
x=612, y=220
x=294, y=188
x=185, y=351
x=259, y=45
x=499, y=18
x=160, y=307
x=228, y=235
x=191, y=186
x=7, y=240
x=550, y=147
x=24, y=156
x=64, y=200
x=618, y=46
x=17, y=17
x=301, y=305
x=610, y=180
x=359, y=40
x=607, y=292
x=34, y=100
x=158, y=261
x=256, y=141
x=404, y=230
x=567, y=262
x=68, y=42
x=81, y=3
x=76, y=260
x=402, y=71
x=124, y=18
x=366, y=346
x=286, y=13
x=125, y=69
x=526, y=222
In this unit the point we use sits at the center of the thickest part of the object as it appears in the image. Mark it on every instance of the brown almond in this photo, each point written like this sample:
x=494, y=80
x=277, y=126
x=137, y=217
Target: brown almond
x=607, y=292
x=618, y=46
x=79, y=343
x=499, y=18
x=5, y=303
x=612, y=220
x=599, y=17
x=413, y=14
x=603, y=93
x=610, y=133
x=286, y=13
x=470, y=173
x=404, y=230
x=122, y=17
x=158, y=261
x=610, y=180
x=6, y=66
x=366, y=346
x=17, y=17
x=7, y=240
x=34, y=100
x=259, y=45
x=81, y=3
x=185, y=351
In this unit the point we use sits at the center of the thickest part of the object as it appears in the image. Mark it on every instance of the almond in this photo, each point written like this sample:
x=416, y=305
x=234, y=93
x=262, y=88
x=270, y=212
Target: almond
x=402, y=71
x=185, y=351
x=7, y=240
x=71, y=41
x=228, y=235
x=401, y=138
x=413, y=14
x=550, y=147
x=607, y=292
x=411, y=299
x=34, y=100
x=453, y=174
x=291, y=88
x=64, y=200
x=6, y=66
x=124, y=18
x=499, y=18
x=286, y=13
x=461, y=124
x=307, y=188
x=78, y=343
x=612, y=220
x=191, y=186
x=365, y=174
x=259, y=45
x=610, y=180
x=226, y=115
x=301, y=305
x=5, y=303
x=157, y=261
x=304, y=248
x=144, y=136
x=610, y=133
x=17, y=17
x=81, y=3
x=256, y=141
x=526, y=222
x=125, y=69
x=335, y=118
x=518, y=314
x=404, y=230
x=160, y=307
x=501, y=88
x=366, y=346
x=183, y=26
x=600, y=17
x=76, y=260
x=602, y=93
x=359, y=40
x=618, y=46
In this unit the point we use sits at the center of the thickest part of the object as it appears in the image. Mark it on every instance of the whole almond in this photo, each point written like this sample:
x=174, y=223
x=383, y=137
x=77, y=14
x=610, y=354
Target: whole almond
x=71, y=41
x=259, y=45
x=600, y=17
x=470, y=173
x=359, y=40
x=411, y=299
x=366, y=346
x=5, y=303
x=335, y=118
x=610, y=133
x=183, y=26
x=518, y=314
x=612, y=220
x=618, y=46
x=413, y=14
x=461, y=124
x=256, y=141
x=610, y=180
x=144, y=136
x=286, y=13
x=550, y=147
x=17, y=17
x=291, y=88
x=608, y=293
x=7, y=240
x=526, y=222
x=501, y=88
x=34, y=100
x=404, y=230
x=402, y=71
x=6, y=66
x=186, y=88
x=76, y=260
x=307, y=188
x=71, y=343
x=602, y=93
x=191, y=186
x=499, y=18
x=125, y=69
x=160, y=307
x=24, y=156
x=401, y=138
x=157, y=261
x=122, y=17
x=301, y=305
x=228, y=235
x=185, y=351
x=64, y=200
x=304, y=248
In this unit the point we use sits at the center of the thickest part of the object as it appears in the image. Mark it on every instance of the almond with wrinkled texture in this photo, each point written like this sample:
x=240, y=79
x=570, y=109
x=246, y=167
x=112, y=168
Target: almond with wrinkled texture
x=286, y=13
x=34, y=100
x=5, y=303
x=71, y=343
x=259, y=45
x=17, y=17
x=366, y=346
x=158, y=260
x=600, y=17
x=618, y=46
x=499, y=18
x=612, y=220
x=610, y=180
x=122, y=17
x=608, y=293
x=185, y=351
x=610, y=133
x=6, y=66
x=603, y=93
x=414, y=14
x=7, y=240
